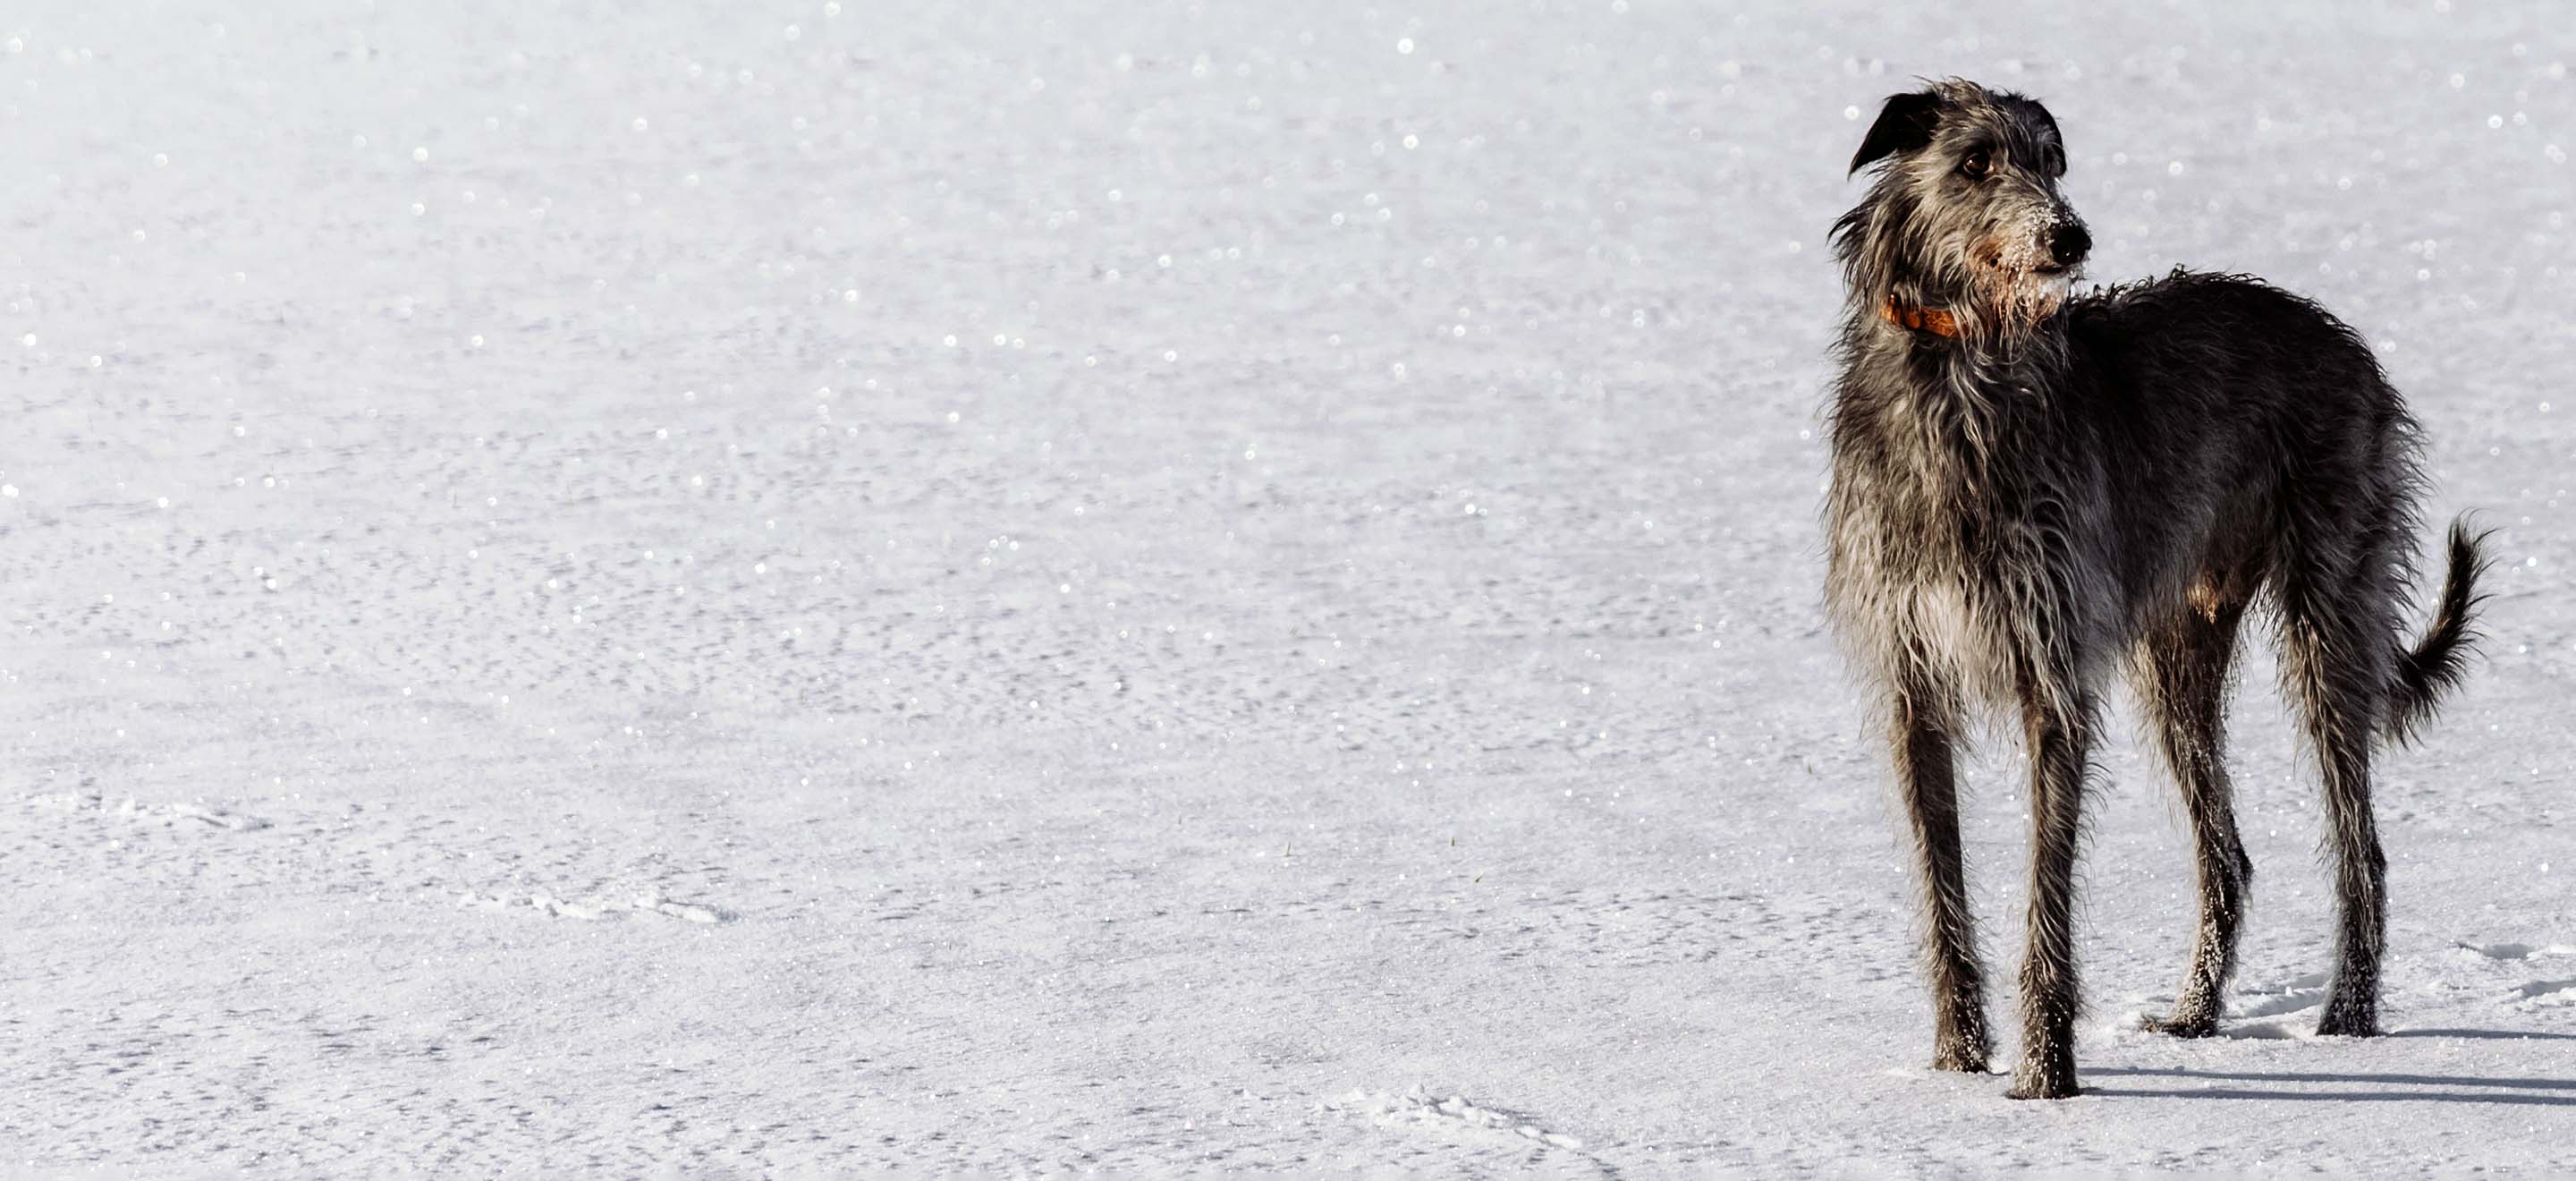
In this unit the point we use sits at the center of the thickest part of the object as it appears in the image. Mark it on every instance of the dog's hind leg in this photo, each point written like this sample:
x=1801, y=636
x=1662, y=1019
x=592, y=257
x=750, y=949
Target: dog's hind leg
x=2060, y=729
x=2182, y=680
x=2334, y=652
x=1926, y=718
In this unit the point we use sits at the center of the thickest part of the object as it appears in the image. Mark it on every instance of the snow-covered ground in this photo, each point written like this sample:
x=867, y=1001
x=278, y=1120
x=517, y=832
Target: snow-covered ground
x=778, y=587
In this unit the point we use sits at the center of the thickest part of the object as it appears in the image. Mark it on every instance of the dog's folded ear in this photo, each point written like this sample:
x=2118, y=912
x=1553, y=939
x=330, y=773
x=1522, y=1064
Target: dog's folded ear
x=1904, y=124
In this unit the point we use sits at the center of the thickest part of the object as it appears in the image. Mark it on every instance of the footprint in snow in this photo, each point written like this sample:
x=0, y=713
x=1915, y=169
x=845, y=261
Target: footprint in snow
x=1456, y=1116
x=232, y=820
x=2516, y=951
x=2498, y=951
x=2521, y=952
x=686, y=911
x=137, y=810
x=2247, y=1012
x=588, y=912
x=2304, y=992
x=591, y=910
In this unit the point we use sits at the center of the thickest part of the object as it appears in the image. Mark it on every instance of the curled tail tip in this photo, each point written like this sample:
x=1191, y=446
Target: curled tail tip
x=2440, y=661
x=2470, y=559
x=2469, y=543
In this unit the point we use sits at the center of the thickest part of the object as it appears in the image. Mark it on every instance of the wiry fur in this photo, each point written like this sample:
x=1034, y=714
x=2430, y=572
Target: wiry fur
x=2075, y=487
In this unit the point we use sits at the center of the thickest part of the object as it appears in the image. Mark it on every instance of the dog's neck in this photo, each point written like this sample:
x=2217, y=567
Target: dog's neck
x=1962, y=343
x=1922, y=353
x=1937, y=321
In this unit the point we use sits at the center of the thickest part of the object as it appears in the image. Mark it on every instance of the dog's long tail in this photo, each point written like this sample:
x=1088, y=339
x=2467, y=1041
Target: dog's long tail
x=2438, y=661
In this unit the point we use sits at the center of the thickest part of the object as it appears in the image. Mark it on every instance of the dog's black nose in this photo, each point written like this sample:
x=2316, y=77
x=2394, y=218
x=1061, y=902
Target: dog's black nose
x=2067, y=244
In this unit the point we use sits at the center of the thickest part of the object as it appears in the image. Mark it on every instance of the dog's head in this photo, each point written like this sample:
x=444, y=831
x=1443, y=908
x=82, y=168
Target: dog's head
x=1965, y=213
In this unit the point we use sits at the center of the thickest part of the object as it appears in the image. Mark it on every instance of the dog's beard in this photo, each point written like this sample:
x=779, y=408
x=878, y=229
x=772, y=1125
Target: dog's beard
x=2033, y=297
x=2018, y=299
x=2016, y=286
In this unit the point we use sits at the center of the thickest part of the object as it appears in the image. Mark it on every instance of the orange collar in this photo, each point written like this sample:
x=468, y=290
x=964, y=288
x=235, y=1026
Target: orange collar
x=1932, y=320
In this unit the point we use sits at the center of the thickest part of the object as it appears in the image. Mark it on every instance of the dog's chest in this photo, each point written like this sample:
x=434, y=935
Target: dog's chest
x=1944, y=626
x=1932, y=564
x=1902, y=584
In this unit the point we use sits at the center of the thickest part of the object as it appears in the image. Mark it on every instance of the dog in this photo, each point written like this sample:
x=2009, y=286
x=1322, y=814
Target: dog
x=2033, y=491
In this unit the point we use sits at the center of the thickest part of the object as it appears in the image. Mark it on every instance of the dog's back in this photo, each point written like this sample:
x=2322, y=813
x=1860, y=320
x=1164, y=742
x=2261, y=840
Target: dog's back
x=2247, y=436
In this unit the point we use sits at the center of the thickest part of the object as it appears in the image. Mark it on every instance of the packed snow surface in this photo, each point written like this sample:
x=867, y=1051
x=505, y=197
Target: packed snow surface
x=782, y=587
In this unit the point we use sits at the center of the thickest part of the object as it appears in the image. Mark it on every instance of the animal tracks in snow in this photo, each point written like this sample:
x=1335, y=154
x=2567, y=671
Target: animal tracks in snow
x=684, y=911
x=1457, y=1119
x=2249, y=1010
x=232, y=820
x=137, y=811
x=2504, y=951
x=2304, y=992
x=2513, y=975
x=2558, y=987
x=640, y=893
x=596, y=909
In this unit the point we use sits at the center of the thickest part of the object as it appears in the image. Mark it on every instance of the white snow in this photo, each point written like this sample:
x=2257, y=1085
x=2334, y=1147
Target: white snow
x=1152, y=587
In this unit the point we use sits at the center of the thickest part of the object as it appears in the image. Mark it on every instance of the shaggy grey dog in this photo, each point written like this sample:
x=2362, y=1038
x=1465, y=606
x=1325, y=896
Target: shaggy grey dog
x=2033, y=491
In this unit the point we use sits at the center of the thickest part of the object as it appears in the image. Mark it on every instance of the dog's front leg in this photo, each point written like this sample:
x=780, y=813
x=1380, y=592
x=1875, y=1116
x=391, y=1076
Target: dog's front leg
x=1926, y=716
x=2059, y=721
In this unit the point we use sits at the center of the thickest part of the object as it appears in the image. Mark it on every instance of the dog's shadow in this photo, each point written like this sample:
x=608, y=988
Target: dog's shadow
x=2383, y=1088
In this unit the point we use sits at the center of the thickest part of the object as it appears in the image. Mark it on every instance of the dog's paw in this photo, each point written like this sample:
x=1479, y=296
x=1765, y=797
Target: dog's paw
x=1960, y=1046
x=2348, y=1020
x=2181, y=1024
x=2029, y=1083
x=2046, y=1071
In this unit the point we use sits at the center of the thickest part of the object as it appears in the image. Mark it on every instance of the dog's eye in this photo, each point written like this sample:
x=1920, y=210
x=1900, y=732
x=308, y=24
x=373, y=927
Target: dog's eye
x=1975, y=163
